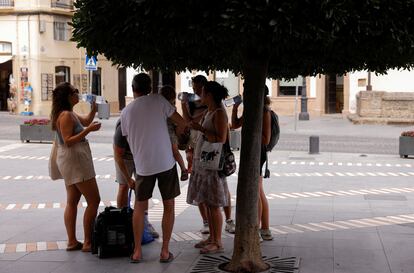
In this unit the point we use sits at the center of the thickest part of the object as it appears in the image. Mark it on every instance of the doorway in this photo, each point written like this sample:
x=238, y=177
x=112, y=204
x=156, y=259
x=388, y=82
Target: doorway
x=6, y=69
x=334, y=94
x=97, y=82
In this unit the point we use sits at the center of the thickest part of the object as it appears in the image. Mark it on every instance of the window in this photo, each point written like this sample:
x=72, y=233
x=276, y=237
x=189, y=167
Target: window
x=47, y=86
x=62, y=74
x=61, y=31
x=6, y=3
x=5, y=48
x=288, y=88
x=63, y=4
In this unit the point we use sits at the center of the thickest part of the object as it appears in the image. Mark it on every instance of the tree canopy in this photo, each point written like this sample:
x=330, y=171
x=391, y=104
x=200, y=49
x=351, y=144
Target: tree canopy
x=257, y=39
x=297, y=37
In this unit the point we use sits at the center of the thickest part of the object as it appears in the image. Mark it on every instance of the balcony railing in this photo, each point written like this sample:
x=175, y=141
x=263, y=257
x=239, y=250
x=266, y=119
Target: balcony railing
x=6, y=3
x=63, y=4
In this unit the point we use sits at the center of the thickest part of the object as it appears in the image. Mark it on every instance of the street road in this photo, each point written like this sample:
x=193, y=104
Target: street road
x=336, y=134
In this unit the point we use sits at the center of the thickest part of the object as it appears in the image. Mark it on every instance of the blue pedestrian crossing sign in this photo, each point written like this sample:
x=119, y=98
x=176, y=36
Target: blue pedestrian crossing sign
x=91, y=63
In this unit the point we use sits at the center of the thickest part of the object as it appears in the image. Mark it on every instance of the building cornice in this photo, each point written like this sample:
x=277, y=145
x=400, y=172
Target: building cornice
x=51, y=11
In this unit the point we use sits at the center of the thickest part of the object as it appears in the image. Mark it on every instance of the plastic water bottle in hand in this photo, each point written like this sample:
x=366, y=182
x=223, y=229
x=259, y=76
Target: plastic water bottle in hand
x=185, y=96
x=231, y=101
x=92, y=98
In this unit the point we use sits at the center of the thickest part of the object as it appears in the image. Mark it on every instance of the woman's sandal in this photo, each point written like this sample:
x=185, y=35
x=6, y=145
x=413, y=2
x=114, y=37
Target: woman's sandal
x=217, y=249
x=134, y=261
x=202, y=243
x=78, y=246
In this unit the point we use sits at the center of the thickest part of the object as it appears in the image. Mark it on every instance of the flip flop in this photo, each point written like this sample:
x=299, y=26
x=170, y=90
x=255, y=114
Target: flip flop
x=134, y=261
x=219, y=249
x=167, y=260
x=78, y=246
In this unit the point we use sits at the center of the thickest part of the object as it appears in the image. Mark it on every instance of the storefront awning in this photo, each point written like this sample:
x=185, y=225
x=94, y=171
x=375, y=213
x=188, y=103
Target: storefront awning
x=6, y=58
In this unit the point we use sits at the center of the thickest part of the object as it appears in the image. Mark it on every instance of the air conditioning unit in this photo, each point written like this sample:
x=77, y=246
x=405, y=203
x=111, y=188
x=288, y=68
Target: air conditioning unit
x=42, y=26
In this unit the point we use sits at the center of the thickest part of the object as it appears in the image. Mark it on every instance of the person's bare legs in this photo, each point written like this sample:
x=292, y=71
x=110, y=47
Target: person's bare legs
x=90, y=190
x=138, y=227
x=122, y=197
x=263, y=206
x=73, y=196
x=216, y=224
x=167, y=227
x=203, y=211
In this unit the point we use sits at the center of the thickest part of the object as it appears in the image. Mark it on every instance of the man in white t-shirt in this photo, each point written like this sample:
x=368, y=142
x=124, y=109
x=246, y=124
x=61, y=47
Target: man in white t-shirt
x=144, y=123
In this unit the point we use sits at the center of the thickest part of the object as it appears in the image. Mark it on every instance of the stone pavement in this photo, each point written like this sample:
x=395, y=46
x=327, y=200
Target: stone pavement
x=336, y=212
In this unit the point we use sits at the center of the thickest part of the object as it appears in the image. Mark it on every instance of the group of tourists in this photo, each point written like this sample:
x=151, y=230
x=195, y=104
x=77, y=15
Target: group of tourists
x=146, y=145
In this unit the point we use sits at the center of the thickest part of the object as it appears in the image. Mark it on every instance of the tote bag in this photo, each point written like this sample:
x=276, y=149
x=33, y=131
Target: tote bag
x=210, y=157
x=54, y=172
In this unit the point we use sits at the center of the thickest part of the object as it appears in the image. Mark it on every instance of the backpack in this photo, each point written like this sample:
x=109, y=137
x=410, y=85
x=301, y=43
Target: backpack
x=274, y=133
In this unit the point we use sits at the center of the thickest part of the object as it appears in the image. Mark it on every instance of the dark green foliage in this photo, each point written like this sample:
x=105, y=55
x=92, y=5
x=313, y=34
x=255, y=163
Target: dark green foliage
x=297, y=37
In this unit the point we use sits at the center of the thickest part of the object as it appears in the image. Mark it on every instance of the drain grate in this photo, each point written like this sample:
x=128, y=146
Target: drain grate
x=210, y=264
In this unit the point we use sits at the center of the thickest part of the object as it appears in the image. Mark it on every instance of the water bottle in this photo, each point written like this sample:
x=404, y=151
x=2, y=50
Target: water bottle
x=231, y=101
x=92, y=98
x=185, y=96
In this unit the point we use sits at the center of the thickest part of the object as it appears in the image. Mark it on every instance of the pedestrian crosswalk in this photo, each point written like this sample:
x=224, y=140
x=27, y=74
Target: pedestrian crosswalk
x=342, y=174
x=155, y=212
x=26, y=157
x=276, y=162
x=349, y=164
x=277, y=230
x=274, y=174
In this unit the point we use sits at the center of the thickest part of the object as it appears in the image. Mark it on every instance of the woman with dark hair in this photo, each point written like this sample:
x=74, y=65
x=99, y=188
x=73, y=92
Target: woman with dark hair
x=206, y=186
x=263, y=205
x=74, y=161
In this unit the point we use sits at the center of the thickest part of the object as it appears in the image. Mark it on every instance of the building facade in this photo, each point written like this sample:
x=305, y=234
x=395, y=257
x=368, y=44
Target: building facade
x=326, y=94
x=36, y=54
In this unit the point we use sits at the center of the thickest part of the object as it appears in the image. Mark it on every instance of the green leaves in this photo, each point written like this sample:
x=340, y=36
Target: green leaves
x=297, y=37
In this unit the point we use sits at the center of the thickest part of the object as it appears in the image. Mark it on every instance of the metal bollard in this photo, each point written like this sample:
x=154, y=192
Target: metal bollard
x=314, y=144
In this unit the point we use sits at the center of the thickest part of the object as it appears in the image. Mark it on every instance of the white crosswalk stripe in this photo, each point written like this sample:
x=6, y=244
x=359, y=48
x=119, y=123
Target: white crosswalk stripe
x=276, y=174
x=182, y=205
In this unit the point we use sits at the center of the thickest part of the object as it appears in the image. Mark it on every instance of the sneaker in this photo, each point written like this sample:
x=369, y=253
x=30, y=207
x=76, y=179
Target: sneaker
x=230, y=226
x=152, y=231
x=205, y=229
x=266, y=234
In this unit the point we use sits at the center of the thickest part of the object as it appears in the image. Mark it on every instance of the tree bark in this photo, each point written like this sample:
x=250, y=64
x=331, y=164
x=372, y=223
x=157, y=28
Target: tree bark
x=247, y=256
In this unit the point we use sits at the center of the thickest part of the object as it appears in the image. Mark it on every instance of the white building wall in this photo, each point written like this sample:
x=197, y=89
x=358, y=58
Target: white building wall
x=354, y=88
x=394, y=81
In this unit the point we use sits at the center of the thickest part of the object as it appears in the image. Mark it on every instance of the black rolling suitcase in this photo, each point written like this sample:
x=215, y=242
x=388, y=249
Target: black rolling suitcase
x=112, y=233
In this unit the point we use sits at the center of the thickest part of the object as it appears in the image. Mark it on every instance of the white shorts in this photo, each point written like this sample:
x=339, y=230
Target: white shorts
x=130, y=165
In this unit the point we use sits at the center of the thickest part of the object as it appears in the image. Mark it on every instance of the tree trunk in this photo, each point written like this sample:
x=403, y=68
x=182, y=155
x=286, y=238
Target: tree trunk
x=247, y=255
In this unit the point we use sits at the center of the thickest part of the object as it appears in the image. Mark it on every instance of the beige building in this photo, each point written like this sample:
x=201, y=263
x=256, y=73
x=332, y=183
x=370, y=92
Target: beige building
x=36, y=54
x=326, y=95
x=387, y=95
